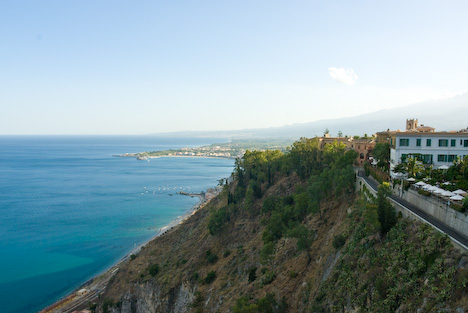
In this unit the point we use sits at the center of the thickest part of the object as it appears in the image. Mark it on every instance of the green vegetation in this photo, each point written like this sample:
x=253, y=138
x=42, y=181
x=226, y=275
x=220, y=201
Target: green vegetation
x=153, y=270
x=381, y=153
x=377, y=173
x=252, y=274
x=339, y=241
x=326, y=173
x=267, y=304
x=385, y=211
x=211, y=257
x=268, y=278
x=210, y=277
x=398, y=272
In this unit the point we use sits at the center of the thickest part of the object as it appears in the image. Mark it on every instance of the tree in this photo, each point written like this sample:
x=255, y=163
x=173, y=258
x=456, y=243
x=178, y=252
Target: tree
x=385, y=211
x=414, y=166
x=381, y=153
x=340, y=133
x=305, y=156
x=326, y=132
x=305, y=237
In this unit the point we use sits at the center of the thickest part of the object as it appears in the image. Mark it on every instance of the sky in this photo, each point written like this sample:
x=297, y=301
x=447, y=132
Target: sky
x=144, y=67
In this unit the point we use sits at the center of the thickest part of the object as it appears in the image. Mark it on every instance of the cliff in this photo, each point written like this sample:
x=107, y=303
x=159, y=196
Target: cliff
x=292, y=241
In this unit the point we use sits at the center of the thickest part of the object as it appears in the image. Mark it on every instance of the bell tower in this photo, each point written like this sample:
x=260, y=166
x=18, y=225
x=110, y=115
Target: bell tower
x=411, y=124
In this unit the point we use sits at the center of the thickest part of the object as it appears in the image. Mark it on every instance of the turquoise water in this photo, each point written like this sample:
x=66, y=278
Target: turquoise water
x=69, y=210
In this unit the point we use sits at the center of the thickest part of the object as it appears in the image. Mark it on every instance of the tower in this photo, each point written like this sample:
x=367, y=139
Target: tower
x=411, y=124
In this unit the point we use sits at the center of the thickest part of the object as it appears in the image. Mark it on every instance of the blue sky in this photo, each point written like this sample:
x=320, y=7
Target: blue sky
x=139, y=67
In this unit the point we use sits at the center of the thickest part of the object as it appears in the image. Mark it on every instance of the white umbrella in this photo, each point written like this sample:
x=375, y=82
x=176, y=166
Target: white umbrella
x=411, y=179
x=421, y=183
x=433, y=188
x=459, y=192
x=397, y=175
x=438, y=191
x=456, y=198
x=427, y=187
x=448, y=193
x=443, y=167
x=447, y=183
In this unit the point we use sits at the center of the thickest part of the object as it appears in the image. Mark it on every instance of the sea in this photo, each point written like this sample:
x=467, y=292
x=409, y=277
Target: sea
x=69, y=209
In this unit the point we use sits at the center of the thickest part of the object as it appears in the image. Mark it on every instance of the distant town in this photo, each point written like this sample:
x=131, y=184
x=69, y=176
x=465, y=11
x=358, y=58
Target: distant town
x=230, y=150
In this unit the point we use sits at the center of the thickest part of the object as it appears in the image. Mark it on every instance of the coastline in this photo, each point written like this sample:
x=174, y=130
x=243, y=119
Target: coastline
x=97, y=284
x=174, y=156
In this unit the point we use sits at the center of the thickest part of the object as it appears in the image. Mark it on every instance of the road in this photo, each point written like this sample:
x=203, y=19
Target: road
x=452, y=233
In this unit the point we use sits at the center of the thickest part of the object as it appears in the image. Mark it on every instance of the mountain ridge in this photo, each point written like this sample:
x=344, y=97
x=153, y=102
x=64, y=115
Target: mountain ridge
x=443, y=114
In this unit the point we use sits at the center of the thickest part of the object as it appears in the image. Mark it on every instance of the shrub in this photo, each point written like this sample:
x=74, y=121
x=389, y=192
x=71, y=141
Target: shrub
x=339, y=241
x=270, y=204
x=266, y=252
x=424, y=192
x=210, y=257
x=465, y=203
x=210, y=277
x=217, y=220
x=153, y=270
x=252, y=275
x=268, y=278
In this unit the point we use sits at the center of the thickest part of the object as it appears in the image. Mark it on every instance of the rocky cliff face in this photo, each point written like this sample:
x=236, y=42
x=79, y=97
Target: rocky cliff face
x=148, y=298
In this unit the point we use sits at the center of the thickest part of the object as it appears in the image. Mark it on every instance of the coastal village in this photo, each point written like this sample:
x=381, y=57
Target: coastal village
x=433, y=151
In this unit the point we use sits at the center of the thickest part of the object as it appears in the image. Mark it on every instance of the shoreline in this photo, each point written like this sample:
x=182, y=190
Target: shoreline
x=97, y=284
x=174, y=156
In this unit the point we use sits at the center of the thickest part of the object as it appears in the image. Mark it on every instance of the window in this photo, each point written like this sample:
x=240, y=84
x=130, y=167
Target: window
x=465, y=143
x=404, y=142
x=418, y=142
x=442, y=158
x=361, y=156
x=452, y=157
x=428, y=142
x=427, y=158
x=453, y=143
x=443, y=142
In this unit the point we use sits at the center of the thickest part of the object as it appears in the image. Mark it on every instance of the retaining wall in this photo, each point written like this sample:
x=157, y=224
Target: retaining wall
x=439, y=209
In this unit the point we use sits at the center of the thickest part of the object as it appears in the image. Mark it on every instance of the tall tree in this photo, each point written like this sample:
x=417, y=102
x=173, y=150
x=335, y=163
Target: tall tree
x=381, y=153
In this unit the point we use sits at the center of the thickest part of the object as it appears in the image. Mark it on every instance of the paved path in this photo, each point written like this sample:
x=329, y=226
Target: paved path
x=440, y=226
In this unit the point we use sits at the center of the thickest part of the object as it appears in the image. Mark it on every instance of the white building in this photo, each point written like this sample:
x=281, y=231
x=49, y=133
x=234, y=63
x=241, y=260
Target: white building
x=437, y=148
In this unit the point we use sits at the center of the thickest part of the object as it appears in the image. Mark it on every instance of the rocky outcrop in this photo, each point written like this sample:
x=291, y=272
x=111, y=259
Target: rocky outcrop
x=148, y=298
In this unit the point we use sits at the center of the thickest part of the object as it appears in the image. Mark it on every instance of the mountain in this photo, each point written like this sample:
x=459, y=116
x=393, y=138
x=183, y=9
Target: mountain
x=444, y=114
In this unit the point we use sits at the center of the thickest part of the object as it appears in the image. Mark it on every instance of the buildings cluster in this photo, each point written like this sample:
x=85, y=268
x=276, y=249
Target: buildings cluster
x=439, y=149
x=363, y=146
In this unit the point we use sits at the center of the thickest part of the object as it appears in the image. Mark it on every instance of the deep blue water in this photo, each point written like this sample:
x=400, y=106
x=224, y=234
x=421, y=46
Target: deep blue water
x=69, y=210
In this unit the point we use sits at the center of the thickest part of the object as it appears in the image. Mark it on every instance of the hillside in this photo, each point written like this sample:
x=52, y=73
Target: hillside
x=290, y=235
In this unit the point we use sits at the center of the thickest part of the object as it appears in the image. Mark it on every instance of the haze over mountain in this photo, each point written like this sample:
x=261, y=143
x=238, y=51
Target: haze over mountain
x=444, y=114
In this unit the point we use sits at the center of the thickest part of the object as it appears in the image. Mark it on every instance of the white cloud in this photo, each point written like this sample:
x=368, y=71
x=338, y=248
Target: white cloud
x=343, y=75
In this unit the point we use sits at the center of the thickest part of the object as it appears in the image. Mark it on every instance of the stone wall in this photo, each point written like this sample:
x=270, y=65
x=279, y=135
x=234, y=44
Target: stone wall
x=439, y=209
x=431, y=205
